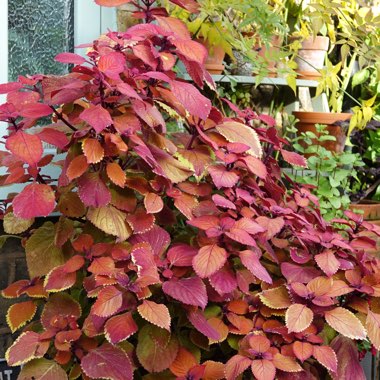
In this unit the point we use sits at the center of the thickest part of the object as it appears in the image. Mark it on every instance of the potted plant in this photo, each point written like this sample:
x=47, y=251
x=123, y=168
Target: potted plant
x=174, y=256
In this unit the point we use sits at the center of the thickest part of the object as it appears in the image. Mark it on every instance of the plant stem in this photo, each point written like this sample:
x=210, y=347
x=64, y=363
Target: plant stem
x=60, y=117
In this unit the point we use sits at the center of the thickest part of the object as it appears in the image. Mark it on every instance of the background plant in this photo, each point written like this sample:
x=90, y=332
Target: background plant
x=175, y=255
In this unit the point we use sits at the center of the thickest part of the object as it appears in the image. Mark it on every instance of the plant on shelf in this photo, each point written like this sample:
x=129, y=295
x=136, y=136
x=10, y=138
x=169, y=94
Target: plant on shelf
x=175, y=256
x=329, y=174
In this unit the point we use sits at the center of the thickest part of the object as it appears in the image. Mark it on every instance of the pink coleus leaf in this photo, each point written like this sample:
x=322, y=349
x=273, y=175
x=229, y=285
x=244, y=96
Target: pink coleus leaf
x=191, y=50
x=181, y=255
x=236, y=365
x=272, y=225
x=327, y=262
x=293, y=158
x=251, y=261
x=190, y=5
x=209, y=259
x=54, y=137
x=302, y=350
x=373, y=328
x=256, y=166
x=142, y=257
x=35, y=110
x=73, y=58
x=298, y=273
x=108, y=303
x=199, y=321
x=26, y=147
x=107, y=361
x=156, y=237
x=326, y=356
x=263, y=369
x=5, y=88
x=112, y=64
x=120, y=327
x=128, y=90
x=223, y=281
x=111, y=3
x=93, y=191
x=204, y=222
x=153, y=203
x=222, y=177
x=97, y=117
x=223, y=202
x=190, y=291
x=193, y=101
x=57, y=280
x=33, y=201
x=298, y=317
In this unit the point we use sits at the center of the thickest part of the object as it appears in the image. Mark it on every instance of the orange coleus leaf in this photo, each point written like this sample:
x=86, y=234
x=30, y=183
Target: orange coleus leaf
x=302, y=350
x=240, y=325
x=120, y=327
x=109, y=302
x=263, y=369
x=13, y=290
x=220, y=327
x=116, y=174
x=209, y=260
x=235, y=366
x=327, y=262
x=275, y=298
x=155, y=313
x=373, y=328
x=69, y=204
x=183, y=362
x=57, y=280
x=213, y=370
x=153, y=203
x=238, y=306
x=286, y=363
x=326, y=356
x=345, y=323
x=20, y=313
x=298, y=317
x=26, y=147
x=77, y=167
x=93, y=150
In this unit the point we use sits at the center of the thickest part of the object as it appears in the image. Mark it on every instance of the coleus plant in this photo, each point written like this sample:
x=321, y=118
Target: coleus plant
x=174, y=256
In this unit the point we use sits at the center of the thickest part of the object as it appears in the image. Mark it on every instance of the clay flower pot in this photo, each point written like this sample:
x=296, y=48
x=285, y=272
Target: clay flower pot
x=308, y=120
x=311, y=57
x=214, y=63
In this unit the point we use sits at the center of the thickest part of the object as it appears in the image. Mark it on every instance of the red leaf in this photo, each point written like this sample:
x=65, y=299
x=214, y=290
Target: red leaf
x=293, y=158
x=140, y=221
x=156, y=237
x=293, y=272
x=73, y=58
x=155, y=313
x=35, y=200
x=327, y=262
x=142, y=257
x=209, y=260
x=326, y=356
x=236, y=365
x=112, y=3
x=223, y=202
x=256, y=166
x=192, y=50
x=93, y=191
x=272, y=225
x=26, y=147
x=298, y=317
x=222, y=177
x=20, y=313
x=204, y=222
x=174, y=25
x=35, y=110
x=193, y=101
x=191, y=5
x=120, y=327
x=181, y=255
x=263, y=369
x=97, y=117
x=223, y=281
x=190, y=291
x=109, y=302
x=199, y=321
x=373, y=328
x=345, y=323
x=5, y=88
x=58, y=280
x=112, y=64
x=25, y=348
x=108, y=362
x=302, y=350
x=252, y=262
x=153, y=203
x=54, y=137
x=128, y=90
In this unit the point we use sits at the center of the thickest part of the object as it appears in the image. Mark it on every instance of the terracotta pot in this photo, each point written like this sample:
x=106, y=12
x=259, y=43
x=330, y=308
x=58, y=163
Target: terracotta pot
x=371, y=213
x=311, y=57
x=214, y=63
x=308, y=120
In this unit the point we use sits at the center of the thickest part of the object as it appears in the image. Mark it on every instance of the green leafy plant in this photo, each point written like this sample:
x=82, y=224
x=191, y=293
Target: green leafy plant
x=329, y=174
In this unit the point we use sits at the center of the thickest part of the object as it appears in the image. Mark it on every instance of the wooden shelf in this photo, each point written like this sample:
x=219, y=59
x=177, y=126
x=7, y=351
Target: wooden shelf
x=253, y=80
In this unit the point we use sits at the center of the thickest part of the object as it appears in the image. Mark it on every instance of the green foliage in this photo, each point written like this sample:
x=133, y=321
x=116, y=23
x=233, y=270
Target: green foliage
x=329, y=173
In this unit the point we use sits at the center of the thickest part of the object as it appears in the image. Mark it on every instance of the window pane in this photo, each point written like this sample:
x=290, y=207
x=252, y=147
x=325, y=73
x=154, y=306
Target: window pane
x=39, y=30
